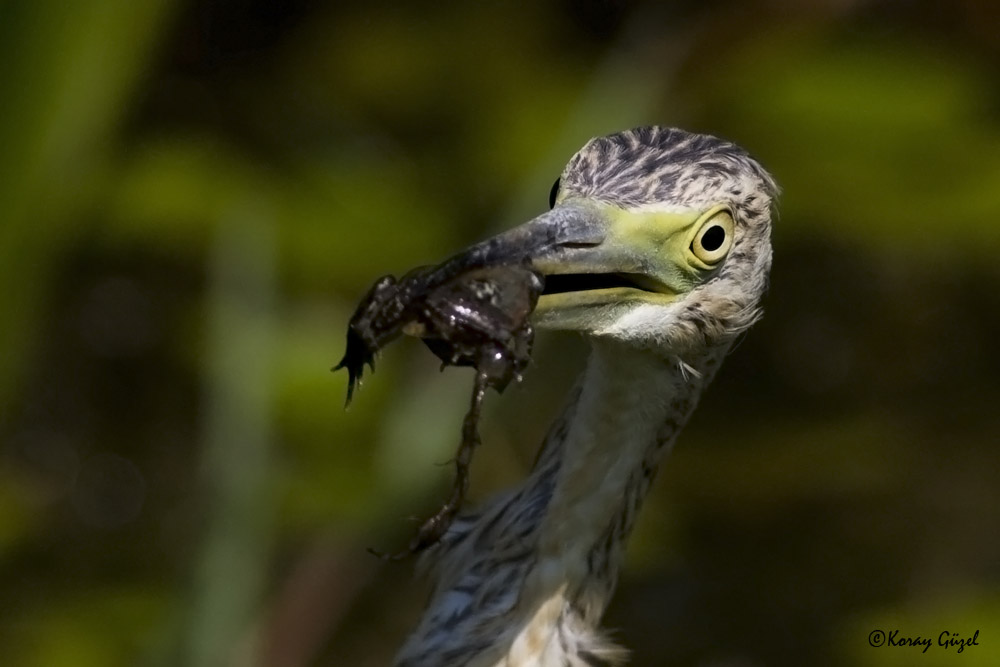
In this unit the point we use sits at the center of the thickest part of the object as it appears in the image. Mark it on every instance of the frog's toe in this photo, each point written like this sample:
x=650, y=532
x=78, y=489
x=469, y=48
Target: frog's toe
x=356, y=356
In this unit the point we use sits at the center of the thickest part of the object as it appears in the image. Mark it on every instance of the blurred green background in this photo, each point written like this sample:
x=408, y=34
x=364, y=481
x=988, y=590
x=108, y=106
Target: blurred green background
x=194, y=195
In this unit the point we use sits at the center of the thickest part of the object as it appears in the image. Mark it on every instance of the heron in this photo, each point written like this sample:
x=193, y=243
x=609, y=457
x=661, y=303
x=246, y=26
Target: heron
x=657, y=249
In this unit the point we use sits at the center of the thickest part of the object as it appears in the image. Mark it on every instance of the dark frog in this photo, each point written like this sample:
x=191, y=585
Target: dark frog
x=474, y=317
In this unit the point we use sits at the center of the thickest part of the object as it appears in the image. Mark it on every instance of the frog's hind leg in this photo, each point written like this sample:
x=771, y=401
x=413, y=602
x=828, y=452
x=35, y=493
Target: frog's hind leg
x=434, y=528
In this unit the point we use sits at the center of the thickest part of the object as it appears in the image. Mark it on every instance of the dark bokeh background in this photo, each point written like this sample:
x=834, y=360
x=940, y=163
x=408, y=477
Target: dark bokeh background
x=193, y=195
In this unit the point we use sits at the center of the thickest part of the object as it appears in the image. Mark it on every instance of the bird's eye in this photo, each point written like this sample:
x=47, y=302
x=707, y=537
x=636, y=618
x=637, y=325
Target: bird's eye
x=553, y=193
x=714, y=239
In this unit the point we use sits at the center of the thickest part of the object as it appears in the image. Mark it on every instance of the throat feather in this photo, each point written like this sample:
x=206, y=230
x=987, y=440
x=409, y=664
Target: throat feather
x=631, y=406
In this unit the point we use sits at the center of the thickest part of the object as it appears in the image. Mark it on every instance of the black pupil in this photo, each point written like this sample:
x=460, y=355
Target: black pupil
x=553, y=192
x=713, y=238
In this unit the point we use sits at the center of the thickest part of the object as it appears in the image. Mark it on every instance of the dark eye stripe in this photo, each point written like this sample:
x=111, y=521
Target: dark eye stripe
x=553, y=193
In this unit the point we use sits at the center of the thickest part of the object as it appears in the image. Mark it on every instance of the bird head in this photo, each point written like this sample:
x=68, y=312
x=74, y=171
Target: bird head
x=656, y=237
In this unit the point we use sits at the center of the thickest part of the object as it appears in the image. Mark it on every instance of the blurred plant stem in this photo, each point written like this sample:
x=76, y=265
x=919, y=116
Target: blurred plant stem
x=68, y=68
x=238, y=426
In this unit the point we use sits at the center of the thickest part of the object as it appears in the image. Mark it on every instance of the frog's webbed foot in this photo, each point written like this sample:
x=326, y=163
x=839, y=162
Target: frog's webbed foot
x=433, y=529
x=373, y=323
x=357, y=354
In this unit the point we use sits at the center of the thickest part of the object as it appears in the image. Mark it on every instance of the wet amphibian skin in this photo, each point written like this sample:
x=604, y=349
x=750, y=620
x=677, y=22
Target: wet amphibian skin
x=474, y=317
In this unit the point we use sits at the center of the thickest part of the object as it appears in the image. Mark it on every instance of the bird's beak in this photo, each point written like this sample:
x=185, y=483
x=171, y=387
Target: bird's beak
x=596, y=259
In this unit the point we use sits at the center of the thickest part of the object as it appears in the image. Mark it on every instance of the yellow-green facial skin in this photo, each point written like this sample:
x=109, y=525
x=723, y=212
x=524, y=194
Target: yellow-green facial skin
x=655, y=248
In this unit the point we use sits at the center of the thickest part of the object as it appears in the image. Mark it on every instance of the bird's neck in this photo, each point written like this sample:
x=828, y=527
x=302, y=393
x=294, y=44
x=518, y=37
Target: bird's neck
x=526, y=581
x=631, y=406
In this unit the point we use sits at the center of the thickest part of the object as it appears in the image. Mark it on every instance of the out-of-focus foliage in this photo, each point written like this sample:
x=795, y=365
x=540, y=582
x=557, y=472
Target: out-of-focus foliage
x=195, y=194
